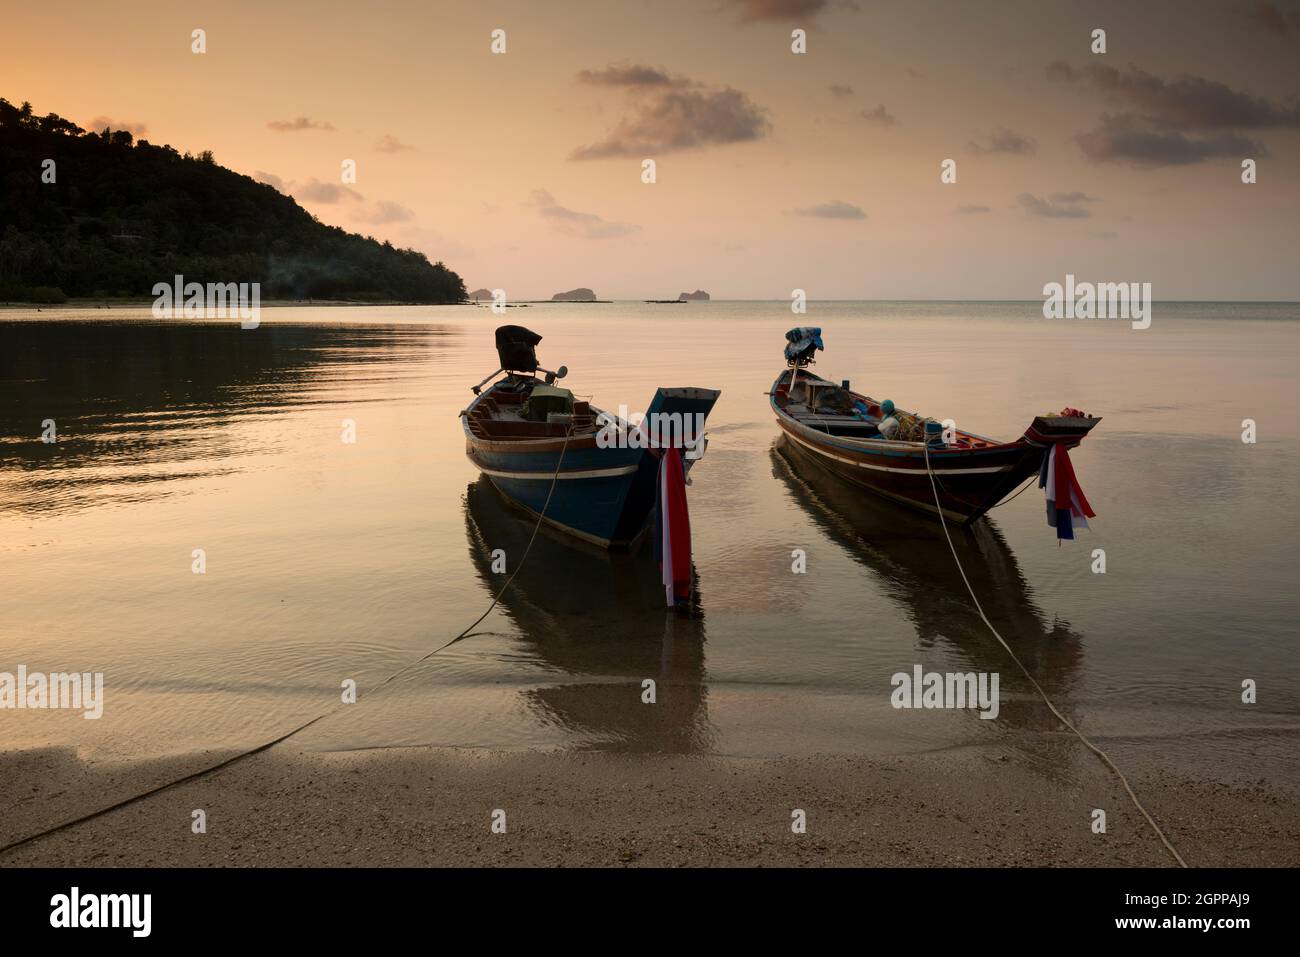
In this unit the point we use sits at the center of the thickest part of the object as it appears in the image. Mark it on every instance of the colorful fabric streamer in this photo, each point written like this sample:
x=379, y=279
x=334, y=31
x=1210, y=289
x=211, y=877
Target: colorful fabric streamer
x=674, y=538
x=1067, y=506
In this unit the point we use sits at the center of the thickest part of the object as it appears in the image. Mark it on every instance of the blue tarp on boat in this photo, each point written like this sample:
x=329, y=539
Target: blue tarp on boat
x=803, y=342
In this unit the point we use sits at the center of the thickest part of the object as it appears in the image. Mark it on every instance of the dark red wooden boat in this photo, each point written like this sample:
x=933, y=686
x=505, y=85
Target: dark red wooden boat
x=891, y=452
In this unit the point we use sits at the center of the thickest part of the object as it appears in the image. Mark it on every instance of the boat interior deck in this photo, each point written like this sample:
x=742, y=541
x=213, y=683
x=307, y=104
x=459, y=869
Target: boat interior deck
x=500, y=414
x=835, y=410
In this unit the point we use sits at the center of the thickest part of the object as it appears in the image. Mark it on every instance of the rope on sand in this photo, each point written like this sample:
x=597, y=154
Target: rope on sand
x=1043, y=694
x=203, y=772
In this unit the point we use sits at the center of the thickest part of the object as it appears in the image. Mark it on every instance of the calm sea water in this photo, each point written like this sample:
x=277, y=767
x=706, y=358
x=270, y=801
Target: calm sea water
x=329, y=561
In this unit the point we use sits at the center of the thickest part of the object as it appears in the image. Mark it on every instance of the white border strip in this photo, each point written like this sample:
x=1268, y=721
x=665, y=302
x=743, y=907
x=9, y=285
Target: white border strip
x=589, y=473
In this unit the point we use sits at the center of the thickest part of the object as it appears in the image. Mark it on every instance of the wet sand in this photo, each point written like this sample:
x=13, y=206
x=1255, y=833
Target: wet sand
x=433, y=807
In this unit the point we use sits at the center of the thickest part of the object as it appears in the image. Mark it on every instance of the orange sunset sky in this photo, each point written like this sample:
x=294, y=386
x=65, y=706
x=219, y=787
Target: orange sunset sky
x=818, y=171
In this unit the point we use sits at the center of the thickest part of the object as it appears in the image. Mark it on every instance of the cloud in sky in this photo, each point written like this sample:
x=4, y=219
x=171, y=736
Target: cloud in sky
x=298, y=124
x=436, y=245
x=581, y=225
x=135, y=129
x=836, y=209
x=1047, y=209
x=841, y=90
x=1126, y=139
x=380, y=213
x=1188, y=103
x=667, y=113
x=1003, y=140
x=634, y=75
x=1178, y=122
x=385, y=212
x=314, y=191
x=388, y=143
x=880, y=116
x=270, y=179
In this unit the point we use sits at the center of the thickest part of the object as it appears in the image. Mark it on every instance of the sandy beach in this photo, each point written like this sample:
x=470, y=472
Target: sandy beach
x=433, y=807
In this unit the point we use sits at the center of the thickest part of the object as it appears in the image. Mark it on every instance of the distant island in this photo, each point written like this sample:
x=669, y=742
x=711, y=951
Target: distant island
x=480, y=295
x=581, y=294
x=698, y=295
x=113, y=216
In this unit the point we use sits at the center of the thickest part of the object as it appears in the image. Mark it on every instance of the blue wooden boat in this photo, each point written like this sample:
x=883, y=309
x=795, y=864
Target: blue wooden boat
x=581, y=469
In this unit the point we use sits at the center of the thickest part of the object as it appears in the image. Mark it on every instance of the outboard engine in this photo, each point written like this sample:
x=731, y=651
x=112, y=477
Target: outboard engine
x=517, y=349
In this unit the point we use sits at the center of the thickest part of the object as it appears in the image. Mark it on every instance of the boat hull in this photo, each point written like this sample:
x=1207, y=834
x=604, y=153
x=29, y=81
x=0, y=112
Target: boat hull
x=603, y=496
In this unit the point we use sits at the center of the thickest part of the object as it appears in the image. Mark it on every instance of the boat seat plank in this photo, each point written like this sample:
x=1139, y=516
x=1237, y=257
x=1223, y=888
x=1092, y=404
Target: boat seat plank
x=839, y=422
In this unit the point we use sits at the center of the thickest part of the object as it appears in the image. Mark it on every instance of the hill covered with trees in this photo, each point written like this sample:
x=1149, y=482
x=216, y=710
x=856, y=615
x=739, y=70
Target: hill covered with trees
x=122, y=214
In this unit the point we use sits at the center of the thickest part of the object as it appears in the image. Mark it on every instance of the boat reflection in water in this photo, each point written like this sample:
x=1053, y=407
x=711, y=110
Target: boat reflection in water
x=909, y=556
x=600, y=618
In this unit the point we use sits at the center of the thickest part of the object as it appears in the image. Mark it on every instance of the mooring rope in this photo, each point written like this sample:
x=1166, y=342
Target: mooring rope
x=1043, y=694
x=1028, y=482
x=203, y=772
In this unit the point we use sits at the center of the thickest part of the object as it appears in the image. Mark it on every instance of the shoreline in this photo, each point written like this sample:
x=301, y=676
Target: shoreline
x=423, y=807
